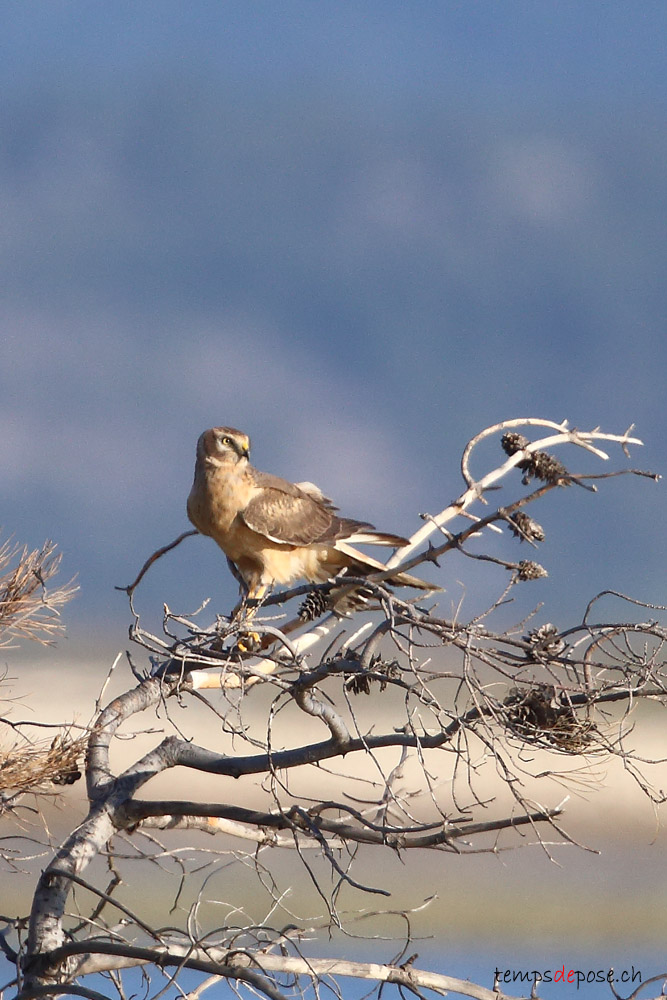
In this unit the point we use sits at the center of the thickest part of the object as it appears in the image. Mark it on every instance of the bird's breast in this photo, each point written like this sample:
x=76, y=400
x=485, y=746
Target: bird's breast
x=216, y=499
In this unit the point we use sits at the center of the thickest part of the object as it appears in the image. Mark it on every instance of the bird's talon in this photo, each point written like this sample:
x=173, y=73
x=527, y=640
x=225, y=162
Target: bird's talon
x=248, y=642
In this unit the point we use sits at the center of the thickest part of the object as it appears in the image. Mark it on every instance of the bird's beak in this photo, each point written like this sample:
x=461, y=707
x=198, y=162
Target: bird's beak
x=245, y=450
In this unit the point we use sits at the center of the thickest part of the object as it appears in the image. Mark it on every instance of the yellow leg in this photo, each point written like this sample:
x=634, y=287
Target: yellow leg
x=250, y=641
x=258, y=592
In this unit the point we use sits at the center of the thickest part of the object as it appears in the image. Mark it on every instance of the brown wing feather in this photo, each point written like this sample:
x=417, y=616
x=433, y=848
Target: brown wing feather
x=284, y=518
x=286, y=513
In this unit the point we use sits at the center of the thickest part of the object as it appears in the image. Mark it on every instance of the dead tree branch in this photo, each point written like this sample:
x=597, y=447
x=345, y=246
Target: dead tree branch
x=388, y=738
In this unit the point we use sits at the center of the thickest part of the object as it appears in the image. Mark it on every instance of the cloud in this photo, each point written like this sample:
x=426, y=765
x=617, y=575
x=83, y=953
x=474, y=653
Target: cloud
x=108, y=416
x=543, y=178
x=306, y=419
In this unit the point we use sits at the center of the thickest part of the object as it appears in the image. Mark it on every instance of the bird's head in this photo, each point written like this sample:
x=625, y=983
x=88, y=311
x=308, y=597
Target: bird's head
x=223, y=446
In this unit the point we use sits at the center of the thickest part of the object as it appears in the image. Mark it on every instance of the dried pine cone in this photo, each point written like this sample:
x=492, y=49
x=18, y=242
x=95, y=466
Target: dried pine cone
x=529, y=570
x=539, y=465
x=525, y=528
x=359, y=684
x=66, y=777
x=512, y=442
x=545, y=641
x=539, y=717
x=313, y=606
x=543, y=466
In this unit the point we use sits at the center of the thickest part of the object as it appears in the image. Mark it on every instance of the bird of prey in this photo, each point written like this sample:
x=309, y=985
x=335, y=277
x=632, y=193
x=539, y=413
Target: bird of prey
x=274, y=531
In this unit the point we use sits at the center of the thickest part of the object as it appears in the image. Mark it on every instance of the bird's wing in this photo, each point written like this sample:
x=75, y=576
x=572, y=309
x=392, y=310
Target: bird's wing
x=284, y=512
x=299, y=514
x=316, y=493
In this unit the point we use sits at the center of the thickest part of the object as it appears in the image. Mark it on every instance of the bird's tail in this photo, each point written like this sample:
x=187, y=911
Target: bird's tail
x=367, y=564
x=373, y=537
x=365, y=533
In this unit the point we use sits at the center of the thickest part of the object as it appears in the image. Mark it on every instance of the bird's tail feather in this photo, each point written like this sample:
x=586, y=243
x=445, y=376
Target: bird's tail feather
x=365, y=533
x=368, y=564
x=377, y=538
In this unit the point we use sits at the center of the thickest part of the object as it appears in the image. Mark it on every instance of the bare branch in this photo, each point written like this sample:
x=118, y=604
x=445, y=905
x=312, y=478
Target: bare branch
x=239, y=965
x=369, y=721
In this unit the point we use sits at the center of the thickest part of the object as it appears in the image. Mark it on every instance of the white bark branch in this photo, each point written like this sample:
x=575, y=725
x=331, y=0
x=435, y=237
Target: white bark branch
x=237, y=965
x=476, y=488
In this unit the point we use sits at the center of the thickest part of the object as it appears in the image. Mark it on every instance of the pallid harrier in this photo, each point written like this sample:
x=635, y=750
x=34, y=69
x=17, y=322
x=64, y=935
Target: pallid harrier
x=274, y=531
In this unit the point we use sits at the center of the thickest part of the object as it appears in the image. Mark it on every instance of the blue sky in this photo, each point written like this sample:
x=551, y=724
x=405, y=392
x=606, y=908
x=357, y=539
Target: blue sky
x=358, y=231
x=548, y=51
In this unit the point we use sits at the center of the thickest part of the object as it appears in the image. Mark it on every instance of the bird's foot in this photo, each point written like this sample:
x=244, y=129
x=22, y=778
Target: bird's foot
x=248, y=642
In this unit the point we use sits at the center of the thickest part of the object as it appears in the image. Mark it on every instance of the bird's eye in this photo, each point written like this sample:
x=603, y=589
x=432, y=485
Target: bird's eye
x=226, y=442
